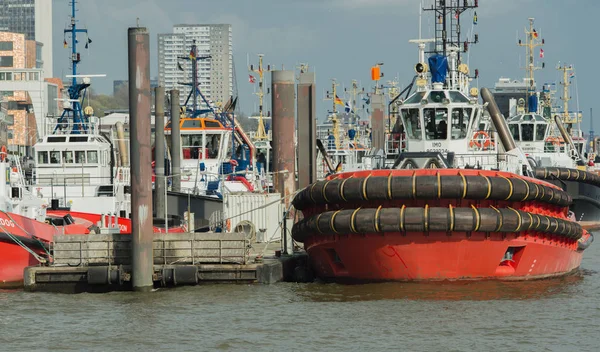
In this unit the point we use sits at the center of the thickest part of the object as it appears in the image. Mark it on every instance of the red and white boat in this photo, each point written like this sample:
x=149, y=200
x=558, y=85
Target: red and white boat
x=453, y=205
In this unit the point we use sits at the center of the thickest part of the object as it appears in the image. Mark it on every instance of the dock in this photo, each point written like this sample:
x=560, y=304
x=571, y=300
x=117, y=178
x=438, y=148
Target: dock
x=102, y=262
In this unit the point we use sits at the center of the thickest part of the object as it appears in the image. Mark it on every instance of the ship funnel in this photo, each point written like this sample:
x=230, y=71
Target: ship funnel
x=566, y=136
x=498, y=120
x=438, y=64
x=533, y=104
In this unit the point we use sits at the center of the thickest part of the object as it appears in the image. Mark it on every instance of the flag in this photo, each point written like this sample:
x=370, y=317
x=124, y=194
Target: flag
x=348, y=108
x=456, y=15
x=65, y=44
x=475, y=18
x=572, y=75
x=535, y=34
x=179, y=66
x=541, y=53
x=338, y=101
x=367, y=100
x=251, y=79
x=192, y=55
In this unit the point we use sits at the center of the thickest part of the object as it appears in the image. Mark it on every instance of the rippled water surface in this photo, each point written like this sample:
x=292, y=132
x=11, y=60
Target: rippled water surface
x=546, y=315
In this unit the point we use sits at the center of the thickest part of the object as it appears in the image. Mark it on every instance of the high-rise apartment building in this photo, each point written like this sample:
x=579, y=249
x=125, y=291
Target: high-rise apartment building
x=33, y=18
x=215, y=75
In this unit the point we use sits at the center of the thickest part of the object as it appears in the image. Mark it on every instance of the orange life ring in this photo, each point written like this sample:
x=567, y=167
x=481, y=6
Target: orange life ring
x=3, y=153
x=484, y=142
x=554, y=141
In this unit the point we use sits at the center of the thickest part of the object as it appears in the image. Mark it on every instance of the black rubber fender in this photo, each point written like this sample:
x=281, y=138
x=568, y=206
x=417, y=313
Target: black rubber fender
x=426, y=187
x=423, y=219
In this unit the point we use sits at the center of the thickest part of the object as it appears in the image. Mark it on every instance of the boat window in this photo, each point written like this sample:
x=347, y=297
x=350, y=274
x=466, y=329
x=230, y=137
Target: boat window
x=540, y=131
x=527, y=132
x=53, y=139
x=67, y=157
x=415, y=98
x=191, y=123
x=514, y=130
x=436, y=96
x=212, y=124
x=80, y=157
x=78, y=139
x=412, y=122
x=92, y=157
x=42, y=157
x=213, y=142
x=191, y=145
x=54, y=157
x=457, y=97
x=436, y=123
x=460, y=122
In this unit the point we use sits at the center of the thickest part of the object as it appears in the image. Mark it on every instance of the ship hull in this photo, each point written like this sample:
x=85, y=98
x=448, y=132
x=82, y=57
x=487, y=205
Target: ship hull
x=15, y=257
x=438, y=256
x=13, y=260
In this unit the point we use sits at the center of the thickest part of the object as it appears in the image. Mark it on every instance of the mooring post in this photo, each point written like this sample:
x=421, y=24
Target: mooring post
x=175, y=142
x=284, y=152
x=307, y=130
x=160, y=201
x=284, y=125
x=377, y=121
x=140, y=152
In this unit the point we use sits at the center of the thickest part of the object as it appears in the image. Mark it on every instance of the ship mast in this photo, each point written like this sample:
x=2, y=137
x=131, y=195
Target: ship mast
x=448, y=27
x=260, y=131
x=333, y=116
x=76, y=90
x=532, y=41
x=568, y=118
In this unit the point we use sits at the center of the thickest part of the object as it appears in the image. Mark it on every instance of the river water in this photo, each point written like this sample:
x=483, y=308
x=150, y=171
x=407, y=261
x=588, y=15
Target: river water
x=546, y=315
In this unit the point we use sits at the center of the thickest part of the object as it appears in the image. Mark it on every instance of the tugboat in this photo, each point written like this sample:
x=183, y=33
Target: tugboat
x=455, y=205
x=216, y=154
x=553, y=140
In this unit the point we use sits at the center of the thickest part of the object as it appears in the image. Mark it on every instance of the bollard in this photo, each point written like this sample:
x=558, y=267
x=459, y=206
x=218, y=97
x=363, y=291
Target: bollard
x=140, y=159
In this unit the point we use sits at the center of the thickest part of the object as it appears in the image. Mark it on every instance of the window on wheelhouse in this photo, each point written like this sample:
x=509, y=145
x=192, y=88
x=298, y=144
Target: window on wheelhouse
x=460, y=122
x=527, y=132
x=92, y=157
x=415, y=98
x=540, y=131
x=67, y=157
x=80, y=157
x=514, y=130
x=193, y=148
x=412, y=122
x=54, y=157
x=436, y=123
x=42, y=157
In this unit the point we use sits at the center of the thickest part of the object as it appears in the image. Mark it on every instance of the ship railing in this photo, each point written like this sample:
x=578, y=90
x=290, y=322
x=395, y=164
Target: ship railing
x=487, y=161
x=65, y=128
x=74, y=185
x=123, y=176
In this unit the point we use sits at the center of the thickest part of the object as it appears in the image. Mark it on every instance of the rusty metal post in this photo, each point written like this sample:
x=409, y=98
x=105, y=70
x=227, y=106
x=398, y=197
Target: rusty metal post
x=307, y=130
x=140, y=152
x=377, y=121
x=160, y=201
x=284, y=152
x=175, y=142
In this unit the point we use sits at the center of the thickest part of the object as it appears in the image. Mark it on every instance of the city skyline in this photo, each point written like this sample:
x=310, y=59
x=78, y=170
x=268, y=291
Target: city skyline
x=339, y=39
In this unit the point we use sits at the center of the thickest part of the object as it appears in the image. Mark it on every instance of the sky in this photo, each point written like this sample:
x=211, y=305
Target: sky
x=342, y=39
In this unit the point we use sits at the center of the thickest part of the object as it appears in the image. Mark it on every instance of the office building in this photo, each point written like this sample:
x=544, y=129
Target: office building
x=215, y=75
x=33, y=18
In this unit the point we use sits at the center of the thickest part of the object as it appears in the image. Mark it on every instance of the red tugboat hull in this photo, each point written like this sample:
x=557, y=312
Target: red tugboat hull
x=444, y=224
x=32, y=235
x=124, y=223
x=437, y=256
